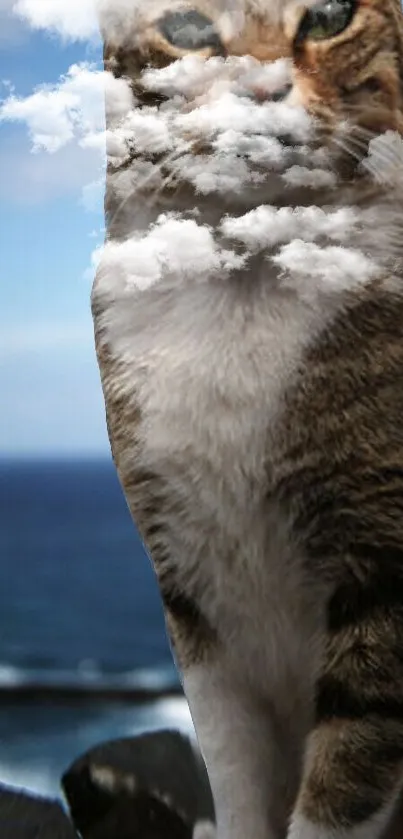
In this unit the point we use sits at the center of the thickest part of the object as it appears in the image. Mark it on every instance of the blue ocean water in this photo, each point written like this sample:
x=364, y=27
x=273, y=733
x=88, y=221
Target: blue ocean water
x=78, y=604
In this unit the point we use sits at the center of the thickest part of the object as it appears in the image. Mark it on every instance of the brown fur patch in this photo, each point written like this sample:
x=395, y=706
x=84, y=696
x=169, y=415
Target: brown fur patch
x=354, y=767
x=340, y=475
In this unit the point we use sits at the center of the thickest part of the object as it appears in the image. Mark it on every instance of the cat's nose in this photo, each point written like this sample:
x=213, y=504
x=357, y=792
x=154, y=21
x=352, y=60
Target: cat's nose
x=263, y=95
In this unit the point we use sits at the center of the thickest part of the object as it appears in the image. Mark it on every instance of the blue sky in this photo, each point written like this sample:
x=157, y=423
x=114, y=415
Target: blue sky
x=51, y=398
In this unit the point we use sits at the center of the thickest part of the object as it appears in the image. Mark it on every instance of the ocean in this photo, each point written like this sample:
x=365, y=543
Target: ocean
x=79, y=612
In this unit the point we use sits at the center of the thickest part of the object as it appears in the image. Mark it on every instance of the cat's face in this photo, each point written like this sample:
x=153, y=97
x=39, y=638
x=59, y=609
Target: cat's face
x=339, y=62
x=345, y=56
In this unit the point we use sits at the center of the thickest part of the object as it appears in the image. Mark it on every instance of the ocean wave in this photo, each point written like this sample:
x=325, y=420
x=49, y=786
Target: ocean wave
x=33, y=779
x=10, y=675
x=36, y=762
x=89, y=677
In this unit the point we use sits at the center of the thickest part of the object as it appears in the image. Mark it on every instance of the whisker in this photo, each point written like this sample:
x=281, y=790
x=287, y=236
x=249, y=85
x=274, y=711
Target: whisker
x=346, y=148
x=364, y=131
x=166, y=160
x=357, y=135
x=359, y=142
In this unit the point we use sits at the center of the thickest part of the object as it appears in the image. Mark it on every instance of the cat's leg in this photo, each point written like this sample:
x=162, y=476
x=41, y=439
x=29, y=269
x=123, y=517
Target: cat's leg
x=237, y=738
x=235, y=732
x=353, y=771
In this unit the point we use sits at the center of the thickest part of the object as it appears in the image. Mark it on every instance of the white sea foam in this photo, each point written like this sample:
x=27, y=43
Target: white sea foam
x=38, y=779
x=11, y=676
x=35, y=759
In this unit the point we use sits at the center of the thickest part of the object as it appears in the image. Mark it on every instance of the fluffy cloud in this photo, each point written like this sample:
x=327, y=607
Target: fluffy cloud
x=65, y=123
x=196, y=77
x=178, y=248
x=71, y=19
x=242, y=134
x=72, y=109
x=327, y=269
x=266, y=227
x=75, y=19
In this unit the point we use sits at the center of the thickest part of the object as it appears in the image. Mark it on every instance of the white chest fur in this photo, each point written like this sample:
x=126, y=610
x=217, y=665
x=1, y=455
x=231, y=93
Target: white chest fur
x=208, y=367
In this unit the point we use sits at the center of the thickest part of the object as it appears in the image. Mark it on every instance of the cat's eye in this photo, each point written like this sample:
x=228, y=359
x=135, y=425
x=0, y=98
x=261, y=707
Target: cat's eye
x=326, y=19
x=189, y=30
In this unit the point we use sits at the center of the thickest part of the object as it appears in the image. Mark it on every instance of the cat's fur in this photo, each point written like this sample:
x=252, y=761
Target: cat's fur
x=258, y=435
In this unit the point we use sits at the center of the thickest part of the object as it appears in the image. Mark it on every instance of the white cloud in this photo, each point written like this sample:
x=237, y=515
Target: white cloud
x=229, y=112
x=217, y=173
x=73, y=19
x=66, y=128
x=266, y=227
x=239, y=130
x=301, y=176
x=174, y=247
x=326, y=269
x=72, y=109
x=77, y=19
x=196, y=77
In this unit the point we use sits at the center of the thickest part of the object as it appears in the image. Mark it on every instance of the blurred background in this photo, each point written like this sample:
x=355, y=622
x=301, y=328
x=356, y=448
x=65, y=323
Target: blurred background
x=83, y=650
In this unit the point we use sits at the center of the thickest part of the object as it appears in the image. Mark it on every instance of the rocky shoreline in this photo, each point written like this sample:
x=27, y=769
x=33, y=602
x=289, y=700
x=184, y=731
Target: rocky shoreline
x=153, y=786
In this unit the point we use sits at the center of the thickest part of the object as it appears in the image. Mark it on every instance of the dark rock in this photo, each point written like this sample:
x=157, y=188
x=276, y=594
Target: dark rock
x=142, y=818
x=24, y=816
x=152, y=786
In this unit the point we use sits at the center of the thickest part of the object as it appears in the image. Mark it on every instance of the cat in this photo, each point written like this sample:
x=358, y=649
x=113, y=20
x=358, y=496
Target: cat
x=255, y=409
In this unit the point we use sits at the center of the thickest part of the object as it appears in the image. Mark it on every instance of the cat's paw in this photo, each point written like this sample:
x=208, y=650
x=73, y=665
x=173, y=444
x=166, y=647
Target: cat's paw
x=204, y=830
